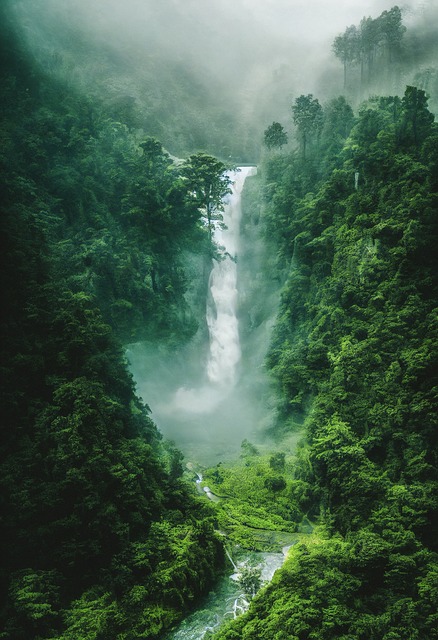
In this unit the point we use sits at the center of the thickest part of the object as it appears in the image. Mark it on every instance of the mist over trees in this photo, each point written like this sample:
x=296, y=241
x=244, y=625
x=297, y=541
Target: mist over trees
x=106, y=237
x=275, y=136
x=202, y=77
x=379, y=52
x=376, y=46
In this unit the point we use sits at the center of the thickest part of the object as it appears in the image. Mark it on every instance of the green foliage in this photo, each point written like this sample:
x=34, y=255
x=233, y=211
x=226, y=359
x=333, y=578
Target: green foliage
x=90, y=617
x=307, y=116
x=101, y=536
x=85, y=482
x=277, y=461
x=417, y=120
x=249, y=579
x=255, y=502
x=275, y=136
x=112, y=205
x=275, y=483
x=352, y=351
x=321, y=593
x=35, y=596
x=338, y=122
x=207, y=184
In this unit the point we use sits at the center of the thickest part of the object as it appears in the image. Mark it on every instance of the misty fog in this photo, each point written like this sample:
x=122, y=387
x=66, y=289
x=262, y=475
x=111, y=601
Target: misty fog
x=239, y=64
x=207, y=423
x=246, y=59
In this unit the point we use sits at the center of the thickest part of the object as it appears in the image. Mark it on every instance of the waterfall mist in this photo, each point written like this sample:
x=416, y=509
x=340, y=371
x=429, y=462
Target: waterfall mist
x=205, y=399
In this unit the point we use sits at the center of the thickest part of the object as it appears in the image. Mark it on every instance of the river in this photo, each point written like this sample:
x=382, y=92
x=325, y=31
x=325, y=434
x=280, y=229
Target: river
x=225, y=600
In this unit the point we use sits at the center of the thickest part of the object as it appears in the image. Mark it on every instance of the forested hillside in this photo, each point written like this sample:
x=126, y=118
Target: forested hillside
x=101, y=537
x=149, y=74
x=354, y=353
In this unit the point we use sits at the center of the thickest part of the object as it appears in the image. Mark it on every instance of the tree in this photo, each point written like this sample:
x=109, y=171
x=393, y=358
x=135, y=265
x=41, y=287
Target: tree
x=249, y=579
x=338, y=122
x=207, y=184
x=392, y=29
x=248, y=449
x=417, y=119
x=275, y=136
x=369, y=36
x=35, y=600
x=277, y=461
x=345, y=47
x=361, y=45
x=308, y=117
x=275, y=483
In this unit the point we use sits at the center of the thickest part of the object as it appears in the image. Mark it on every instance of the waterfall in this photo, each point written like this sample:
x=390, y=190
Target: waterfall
x=221, y=313
x=209, y=412
x=230, y=558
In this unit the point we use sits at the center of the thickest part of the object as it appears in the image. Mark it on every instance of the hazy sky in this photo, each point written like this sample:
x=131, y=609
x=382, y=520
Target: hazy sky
x=218, y=36
x=313, y=19
x=252, y=58
x=308, y=20
x=303, y=17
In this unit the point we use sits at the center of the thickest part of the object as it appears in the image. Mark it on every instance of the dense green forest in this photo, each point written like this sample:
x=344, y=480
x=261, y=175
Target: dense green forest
x=101, y=536
x=354, y=352
x=107, y=241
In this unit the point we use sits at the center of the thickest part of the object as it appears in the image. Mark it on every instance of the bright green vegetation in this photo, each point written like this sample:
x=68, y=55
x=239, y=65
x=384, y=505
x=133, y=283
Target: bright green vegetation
x=354, y=353
x=259, y=496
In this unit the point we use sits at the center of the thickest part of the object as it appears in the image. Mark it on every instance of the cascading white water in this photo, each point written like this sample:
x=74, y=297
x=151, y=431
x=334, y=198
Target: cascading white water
x=209, y=418
x=221, y=313
x=222, y=319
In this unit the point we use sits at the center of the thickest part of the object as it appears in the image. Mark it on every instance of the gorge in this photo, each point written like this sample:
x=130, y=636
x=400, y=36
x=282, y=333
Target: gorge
x=296, y=380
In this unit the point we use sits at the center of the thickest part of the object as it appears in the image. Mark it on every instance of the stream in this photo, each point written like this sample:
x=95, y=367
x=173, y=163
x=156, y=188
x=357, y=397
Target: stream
x=225, y=601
